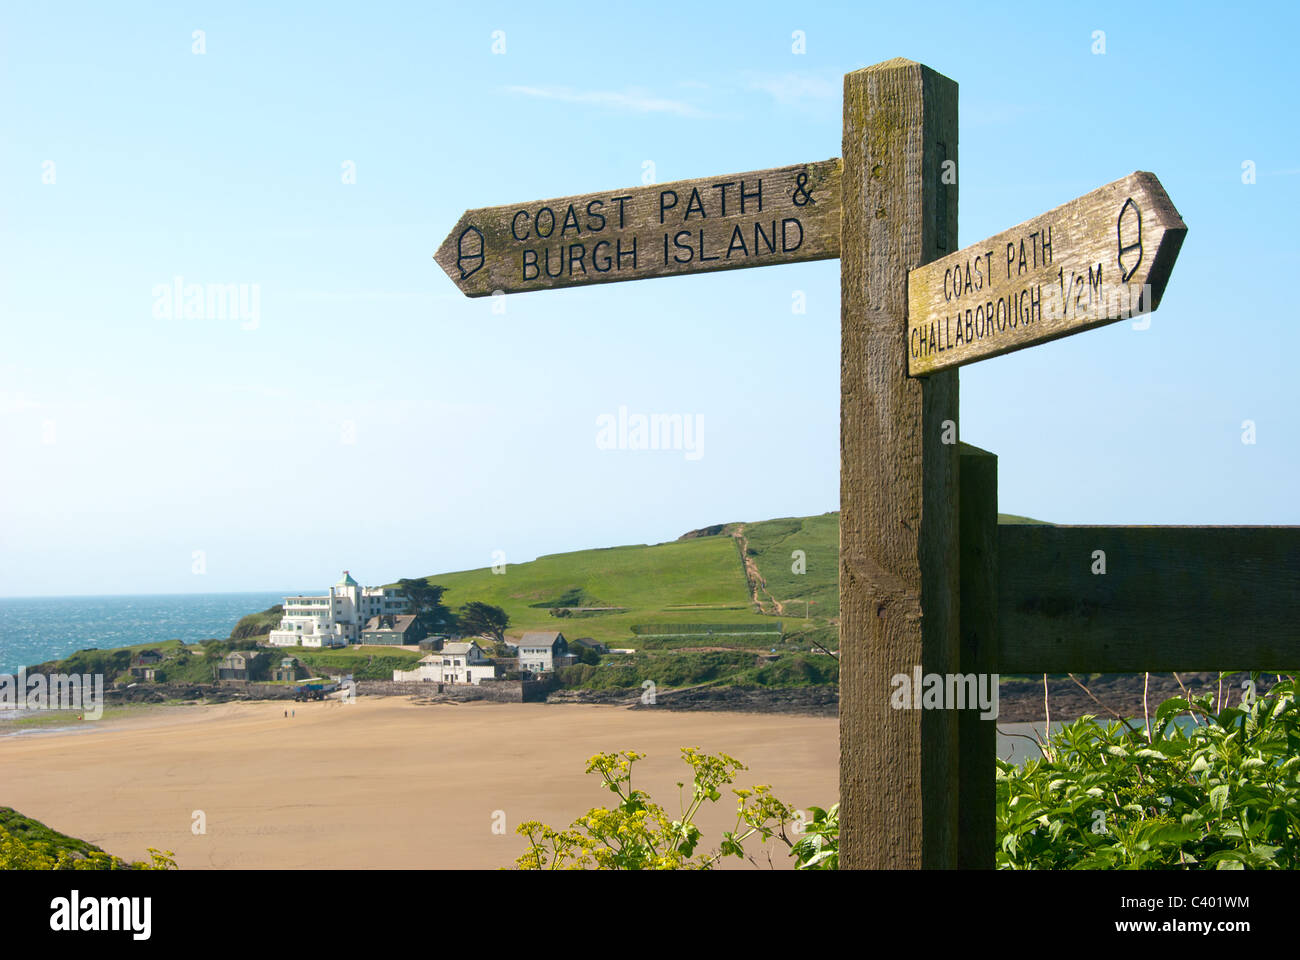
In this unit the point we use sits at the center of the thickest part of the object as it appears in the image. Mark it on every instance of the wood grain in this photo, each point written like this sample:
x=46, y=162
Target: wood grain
x=1101, y=258
x=1172, y=598
x=977, y=739
x=898, y=480
x=755, y=219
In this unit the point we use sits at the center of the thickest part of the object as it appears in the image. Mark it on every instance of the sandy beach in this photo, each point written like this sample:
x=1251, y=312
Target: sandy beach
x=381, y=782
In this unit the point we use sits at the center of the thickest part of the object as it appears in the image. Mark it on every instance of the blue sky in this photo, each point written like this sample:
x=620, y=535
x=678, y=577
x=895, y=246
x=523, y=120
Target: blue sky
x=376, y=420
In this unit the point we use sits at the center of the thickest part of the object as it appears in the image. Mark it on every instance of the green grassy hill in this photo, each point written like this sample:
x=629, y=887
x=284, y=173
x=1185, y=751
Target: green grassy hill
x=701, y=578
x=771, y=544
x=685, y=581
x=258, y=624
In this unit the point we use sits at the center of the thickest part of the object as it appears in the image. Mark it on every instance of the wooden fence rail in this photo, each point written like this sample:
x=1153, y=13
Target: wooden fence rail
x=1171, y=598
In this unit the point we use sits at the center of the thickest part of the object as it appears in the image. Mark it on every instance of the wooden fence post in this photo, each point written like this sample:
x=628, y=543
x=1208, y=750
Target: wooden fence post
x=898, y=474
x=977, y=739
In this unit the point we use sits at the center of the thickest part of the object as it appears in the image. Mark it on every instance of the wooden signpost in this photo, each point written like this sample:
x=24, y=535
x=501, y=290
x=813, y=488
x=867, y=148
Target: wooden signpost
x=751, y=219
x=1103, y=257
x=928, y=579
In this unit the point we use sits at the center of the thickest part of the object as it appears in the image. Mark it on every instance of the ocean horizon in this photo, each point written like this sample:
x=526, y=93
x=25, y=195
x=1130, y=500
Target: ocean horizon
x=36, y=629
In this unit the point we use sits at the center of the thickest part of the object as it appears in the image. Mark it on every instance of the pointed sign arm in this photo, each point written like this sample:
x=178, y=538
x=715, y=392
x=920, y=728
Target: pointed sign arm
x=1103, y=257
x=754, y=219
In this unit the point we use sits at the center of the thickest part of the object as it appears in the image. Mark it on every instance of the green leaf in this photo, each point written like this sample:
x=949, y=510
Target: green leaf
x=1174, y=834
x=1170, y=709
x=1219, y=797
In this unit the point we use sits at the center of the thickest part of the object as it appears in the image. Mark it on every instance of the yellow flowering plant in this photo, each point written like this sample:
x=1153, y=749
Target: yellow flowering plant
x=19, y=853
x=638, y=834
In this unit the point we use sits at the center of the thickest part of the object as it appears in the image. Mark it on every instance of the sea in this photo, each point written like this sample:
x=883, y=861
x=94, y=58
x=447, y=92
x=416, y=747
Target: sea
x=36, y=629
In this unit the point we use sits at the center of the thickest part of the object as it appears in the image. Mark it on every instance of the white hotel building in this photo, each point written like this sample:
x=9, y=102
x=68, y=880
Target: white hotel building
x=337, y=618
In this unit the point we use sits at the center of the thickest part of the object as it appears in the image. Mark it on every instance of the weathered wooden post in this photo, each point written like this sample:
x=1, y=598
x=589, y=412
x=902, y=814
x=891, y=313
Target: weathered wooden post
x=898, y=476
x=977, y=737
x=916, y=785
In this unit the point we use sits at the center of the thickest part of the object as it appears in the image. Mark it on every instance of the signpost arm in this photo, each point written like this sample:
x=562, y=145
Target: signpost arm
x=898, y=476
x=977, y=738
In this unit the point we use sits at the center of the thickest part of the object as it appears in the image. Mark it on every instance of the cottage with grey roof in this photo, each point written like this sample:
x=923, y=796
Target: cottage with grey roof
x=239, y=665
x=394, y=629
x=541, y=651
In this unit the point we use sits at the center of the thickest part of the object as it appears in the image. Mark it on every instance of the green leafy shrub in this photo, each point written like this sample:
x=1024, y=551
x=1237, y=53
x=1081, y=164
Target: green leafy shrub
x=819, y=847
x=27, y=844
x=110, y=663
x=706, y=629
x=585, y=655
x=666, y=670
x=375, y=667
x=1203, y=789
x=690, y=642
x=572, y=597
x=793, y=671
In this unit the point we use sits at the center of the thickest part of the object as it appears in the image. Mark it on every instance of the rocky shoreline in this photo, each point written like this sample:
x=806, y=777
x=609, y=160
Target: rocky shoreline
x=197, y=692
x=1019, y=700
x=817, y=701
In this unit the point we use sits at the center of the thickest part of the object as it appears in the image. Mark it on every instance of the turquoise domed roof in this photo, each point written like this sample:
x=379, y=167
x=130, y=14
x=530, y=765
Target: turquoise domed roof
x=347, y=580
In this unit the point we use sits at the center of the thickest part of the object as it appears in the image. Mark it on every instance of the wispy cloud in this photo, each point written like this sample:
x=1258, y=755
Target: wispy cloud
x=632, y=101
x=792, y=88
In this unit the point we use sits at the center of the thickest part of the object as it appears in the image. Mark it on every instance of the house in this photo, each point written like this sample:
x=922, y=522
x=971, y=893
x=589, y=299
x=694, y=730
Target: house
x=591, y=644
x=335, y=619
x=238, y=665
x=144, y=664
x=395, y=629
x=290, y=669
x=541, y=651
x=454, y=663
